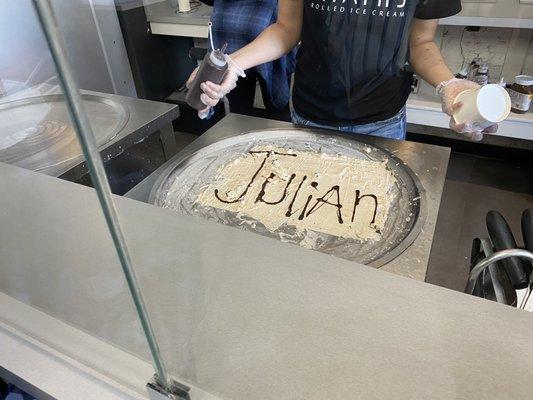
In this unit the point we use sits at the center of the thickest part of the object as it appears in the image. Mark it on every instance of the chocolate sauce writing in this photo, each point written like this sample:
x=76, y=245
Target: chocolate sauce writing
x=336, y=195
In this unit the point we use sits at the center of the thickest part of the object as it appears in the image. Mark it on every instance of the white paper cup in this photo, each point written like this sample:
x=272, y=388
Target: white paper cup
x=184, y=5
x=483, y=107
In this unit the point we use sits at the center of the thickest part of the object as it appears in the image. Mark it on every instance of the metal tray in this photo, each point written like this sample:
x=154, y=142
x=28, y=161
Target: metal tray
x=37, y=133
x=180, y=184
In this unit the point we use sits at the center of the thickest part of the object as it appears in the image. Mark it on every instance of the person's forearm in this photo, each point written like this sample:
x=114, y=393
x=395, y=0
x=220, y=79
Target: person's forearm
x=275, y=41
x=427, y=62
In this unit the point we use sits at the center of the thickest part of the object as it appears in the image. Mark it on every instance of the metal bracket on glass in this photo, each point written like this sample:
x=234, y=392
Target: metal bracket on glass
x=173, y=391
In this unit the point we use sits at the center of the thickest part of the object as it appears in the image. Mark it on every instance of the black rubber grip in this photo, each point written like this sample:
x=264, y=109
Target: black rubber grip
x=502, y=238
x=527, y=229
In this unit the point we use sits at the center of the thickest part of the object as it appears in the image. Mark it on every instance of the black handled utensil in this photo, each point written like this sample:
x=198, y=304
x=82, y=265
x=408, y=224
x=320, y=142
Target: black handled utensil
x=502, y=238
x=493, y=283
x=527, y=229
x=527, y=234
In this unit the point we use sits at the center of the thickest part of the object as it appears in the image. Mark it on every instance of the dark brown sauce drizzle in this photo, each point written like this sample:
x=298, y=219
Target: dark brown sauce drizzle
x=270, y=152
x=324, y=200
x=358, y=199
x=320, y=202
x=249, y=184
x=309, y=198
x=260, y=196
x=289, y=212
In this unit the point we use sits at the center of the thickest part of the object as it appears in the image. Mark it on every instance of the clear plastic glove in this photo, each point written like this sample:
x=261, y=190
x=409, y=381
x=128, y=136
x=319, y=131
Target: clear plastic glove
x=202, y=114
x=448, y=92
x=213, y=93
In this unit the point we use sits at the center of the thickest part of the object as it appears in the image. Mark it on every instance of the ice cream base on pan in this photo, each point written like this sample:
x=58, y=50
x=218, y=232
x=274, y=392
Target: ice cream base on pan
x=337, y=195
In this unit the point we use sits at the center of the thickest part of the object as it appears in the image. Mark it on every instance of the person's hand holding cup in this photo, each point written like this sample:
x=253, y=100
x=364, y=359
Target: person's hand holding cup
x=473, y=110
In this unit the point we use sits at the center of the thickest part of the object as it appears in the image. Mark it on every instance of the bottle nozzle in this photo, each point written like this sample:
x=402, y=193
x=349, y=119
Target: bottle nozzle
x=210, y=27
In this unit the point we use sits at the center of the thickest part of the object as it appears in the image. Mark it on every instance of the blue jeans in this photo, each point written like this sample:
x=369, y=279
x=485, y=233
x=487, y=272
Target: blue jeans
x=392, y=128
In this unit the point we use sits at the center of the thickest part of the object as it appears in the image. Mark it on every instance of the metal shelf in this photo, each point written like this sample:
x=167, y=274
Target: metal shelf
x=522, y=23
x=426, y=109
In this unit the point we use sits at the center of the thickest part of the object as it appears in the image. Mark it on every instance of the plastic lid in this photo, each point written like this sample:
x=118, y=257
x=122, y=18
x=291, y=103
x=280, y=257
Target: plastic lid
x=524, y=80
x=493, y=103
x=218, y=58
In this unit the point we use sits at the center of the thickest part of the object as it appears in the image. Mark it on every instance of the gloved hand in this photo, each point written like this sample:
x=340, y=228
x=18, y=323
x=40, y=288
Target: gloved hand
x=213, y=93
x=448, y=92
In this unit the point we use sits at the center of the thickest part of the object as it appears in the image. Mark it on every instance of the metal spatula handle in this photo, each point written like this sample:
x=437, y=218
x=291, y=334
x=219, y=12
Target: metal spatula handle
x=501, y=255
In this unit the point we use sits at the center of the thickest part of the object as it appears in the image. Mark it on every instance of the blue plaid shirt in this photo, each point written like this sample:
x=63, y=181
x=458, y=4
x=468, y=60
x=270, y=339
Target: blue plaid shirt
x=237, y=23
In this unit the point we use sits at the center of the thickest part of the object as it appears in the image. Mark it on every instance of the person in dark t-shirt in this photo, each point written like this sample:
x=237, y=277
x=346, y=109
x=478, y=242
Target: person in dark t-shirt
x=237, y=23
x=355, y=62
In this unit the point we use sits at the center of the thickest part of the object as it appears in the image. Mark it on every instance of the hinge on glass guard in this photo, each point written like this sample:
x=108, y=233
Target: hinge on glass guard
x=175, y=391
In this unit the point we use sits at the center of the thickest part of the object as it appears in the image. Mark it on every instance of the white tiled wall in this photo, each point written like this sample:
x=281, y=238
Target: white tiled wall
x=508, y=52
x=489, y=43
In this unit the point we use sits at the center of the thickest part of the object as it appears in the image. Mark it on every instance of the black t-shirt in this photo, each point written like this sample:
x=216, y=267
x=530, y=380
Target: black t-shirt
x=351, y=65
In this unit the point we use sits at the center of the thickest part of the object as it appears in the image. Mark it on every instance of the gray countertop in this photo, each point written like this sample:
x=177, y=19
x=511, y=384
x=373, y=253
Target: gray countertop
x=247, y=317
x=164, y=12
x=429, y=164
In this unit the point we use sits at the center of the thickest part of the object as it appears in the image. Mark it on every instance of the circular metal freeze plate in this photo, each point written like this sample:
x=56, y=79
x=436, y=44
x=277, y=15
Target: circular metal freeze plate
x=37, y=133
x=181, y=183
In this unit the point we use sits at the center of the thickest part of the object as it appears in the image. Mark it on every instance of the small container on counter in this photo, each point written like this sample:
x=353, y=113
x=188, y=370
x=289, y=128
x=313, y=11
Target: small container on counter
x=482, y=75
x=463, y=74
x=521, y=93
x=184, y=6
x=473, y=67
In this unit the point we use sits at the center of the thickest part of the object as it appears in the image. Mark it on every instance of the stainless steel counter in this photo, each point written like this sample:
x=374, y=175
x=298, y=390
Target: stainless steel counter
x=247, y=317
x=429, y=164
x=133, y=120
x=145, y=118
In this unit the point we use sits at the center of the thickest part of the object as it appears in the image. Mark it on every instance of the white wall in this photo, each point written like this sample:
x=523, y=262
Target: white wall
x=509, y=52
x=528, y=65
x=25, y=60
